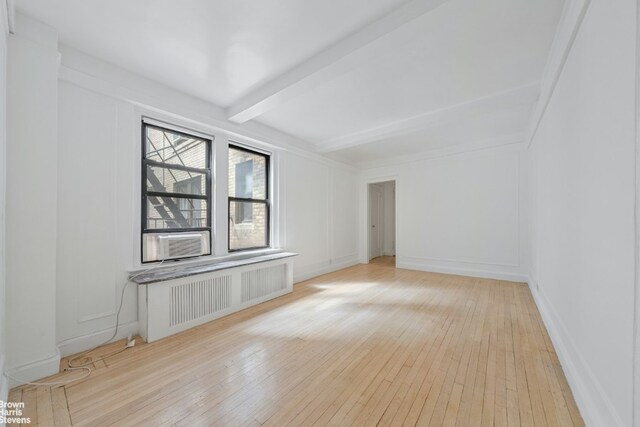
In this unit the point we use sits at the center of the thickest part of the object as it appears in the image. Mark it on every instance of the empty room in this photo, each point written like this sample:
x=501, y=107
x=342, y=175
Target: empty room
x=310, y=213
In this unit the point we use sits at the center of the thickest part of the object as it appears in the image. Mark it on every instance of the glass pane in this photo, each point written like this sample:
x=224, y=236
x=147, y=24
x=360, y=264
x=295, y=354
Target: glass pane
x=247, y=174
x=177, y=149
x=175, y=212
x=247, y=225
x=168, y=180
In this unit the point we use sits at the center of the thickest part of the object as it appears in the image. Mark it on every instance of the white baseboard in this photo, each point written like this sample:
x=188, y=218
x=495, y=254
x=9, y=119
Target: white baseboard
x=34, y=371
x=89, y=341
x=461, y=271
x=595, y=407
x=318, y=270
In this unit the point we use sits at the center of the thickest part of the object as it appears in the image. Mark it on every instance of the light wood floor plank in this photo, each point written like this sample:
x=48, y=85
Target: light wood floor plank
x=60, y=407
x=368, y=345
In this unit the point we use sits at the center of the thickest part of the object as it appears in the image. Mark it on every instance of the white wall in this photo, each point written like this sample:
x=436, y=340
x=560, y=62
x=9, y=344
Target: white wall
x=344, y=218
x=31, y=201
x=95, y=209
x=320, y=215
x=98, y=191
x=582, y=199
x=4, y=33
x=460, y=213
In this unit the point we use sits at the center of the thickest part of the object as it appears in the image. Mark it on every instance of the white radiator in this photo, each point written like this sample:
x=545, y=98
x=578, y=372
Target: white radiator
x=197, y=300
x=259, y=283
x=165, y=308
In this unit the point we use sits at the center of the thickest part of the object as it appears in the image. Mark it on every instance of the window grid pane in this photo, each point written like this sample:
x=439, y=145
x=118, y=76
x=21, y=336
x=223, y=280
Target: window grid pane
x=168, y=180
x=247, y=174
x=248, y=234
x=174, y=212
x=173, y=148
x=248, y=199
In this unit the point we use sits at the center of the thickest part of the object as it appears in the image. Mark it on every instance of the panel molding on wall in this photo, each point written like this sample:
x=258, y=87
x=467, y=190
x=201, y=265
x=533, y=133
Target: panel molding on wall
x=87, y=279
x=325, y=267
x=320, y=211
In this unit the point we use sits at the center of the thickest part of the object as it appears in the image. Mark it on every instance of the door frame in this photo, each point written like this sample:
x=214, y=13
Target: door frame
x=365, y=220
x=380, y=214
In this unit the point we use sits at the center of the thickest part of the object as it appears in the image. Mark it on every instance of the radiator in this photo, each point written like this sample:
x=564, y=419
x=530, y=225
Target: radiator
x=172, y=306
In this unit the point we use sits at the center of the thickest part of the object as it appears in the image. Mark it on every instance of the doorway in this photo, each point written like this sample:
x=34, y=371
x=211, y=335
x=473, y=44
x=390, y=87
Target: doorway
x=382, y=222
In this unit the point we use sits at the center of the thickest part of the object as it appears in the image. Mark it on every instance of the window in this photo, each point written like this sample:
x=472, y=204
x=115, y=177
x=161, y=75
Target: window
x=176, y=194
x=248, y=199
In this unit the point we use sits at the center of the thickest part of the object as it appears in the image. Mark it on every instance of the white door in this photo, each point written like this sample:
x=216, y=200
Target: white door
x=375, y=220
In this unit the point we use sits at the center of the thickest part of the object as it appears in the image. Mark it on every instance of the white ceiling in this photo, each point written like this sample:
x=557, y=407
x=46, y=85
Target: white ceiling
x=363, y=80
x=478, y=129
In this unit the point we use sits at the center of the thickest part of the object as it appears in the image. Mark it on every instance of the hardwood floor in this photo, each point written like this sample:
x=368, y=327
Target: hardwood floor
x=369, y=345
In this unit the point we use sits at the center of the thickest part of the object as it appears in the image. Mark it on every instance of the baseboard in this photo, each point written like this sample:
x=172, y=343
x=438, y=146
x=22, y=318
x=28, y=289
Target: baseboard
x=89, y=341
x=595, y=407
x=4, y=381
x=34, y=371
x=460, y=271
x=315, y=271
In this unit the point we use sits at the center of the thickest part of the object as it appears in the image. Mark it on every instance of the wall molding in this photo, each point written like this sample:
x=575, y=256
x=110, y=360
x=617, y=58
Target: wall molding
x=34, y=371
x=595, y=406
x=426, y=265
x=516, y=140
x=506, y=100
x=93, y=339
x=460, y=261
x=309, y=272
x=568, y=27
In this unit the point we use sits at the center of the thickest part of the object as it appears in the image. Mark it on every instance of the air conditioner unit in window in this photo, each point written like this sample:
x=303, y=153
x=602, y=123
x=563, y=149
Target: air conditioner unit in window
x=162, y=246
x=179, y=245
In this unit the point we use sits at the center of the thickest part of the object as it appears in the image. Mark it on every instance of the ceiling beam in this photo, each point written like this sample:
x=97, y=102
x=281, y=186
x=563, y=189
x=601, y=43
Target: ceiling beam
x=571, y=19
x=523, y=95
x=327, y=64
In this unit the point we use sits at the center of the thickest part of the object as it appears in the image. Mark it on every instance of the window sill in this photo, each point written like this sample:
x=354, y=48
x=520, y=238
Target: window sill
x=162, y=274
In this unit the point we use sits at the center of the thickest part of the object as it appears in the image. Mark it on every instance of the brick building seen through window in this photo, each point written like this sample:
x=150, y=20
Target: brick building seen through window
x=248, y=199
